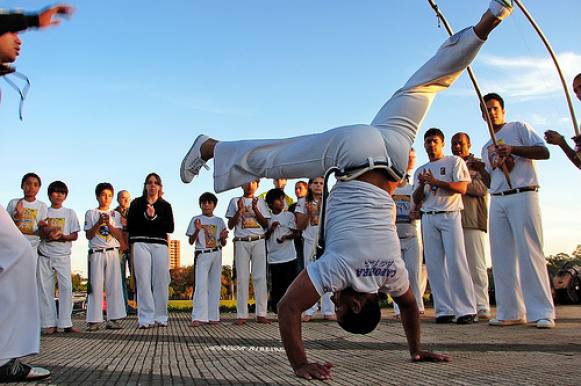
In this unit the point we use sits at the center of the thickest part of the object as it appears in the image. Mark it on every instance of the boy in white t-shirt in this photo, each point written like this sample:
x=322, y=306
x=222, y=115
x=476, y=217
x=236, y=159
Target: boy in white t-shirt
x=438, y=188
x=248, y=215
x=280, y=235
x=54, y=259
x=103, y=229
x=28, y=213
x=209, y=233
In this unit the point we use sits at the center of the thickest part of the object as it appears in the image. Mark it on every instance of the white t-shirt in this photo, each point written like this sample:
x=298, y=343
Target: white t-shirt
x=362, y=248
x=103, y=238
x=285, y=251
x=404, y=204
x=34, y=212
x=247, y=223
x=311, y=232
x=209, y=235
x=448, y=169
x=523, y=174
x=66, y=221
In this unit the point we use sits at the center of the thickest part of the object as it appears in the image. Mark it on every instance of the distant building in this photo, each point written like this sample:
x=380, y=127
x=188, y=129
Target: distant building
x=174, y=254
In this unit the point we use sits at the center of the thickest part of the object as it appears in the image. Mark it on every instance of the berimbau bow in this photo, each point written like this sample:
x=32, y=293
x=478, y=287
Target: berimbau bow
x=442, y=18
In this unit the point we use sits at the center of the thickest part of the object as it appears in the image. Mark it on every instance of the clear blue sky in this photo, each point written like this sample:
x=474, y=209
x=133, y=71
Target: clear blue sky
x=125, y=86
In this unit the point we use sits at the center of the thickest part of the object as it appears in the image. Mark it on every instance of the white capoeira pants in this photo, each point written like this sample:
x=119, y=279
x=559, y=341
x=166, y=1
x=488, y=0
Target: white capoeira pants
x=327, y=306
x=521, y=280
x=475, y=243
x=448, y=270
x=388, y=139
x=206, y=302
x=105, y=274
x=411, y=253
x=19, y=316
x=151, y=264
x=47, y=268
x=247, y=254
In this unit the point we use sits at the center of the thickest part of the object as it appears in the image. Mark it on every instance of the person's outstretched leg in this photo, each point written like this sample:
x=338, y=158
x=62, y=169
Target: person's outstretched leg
x=307, y=156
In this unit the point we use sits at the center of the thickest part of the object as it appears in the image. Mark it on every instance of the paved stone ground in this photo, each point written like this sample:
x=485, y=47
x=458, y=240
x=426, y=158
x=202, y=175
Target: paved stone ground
x=253, y=354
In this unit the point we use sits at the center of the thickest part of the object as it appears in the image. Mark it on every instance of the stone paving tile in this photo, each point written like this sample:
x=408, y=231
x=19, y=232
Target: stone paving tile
x=253, y=355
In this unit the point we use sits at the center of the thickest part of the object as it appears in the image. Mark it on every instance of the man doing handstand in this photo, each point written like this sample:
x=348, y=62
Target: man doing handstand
x=362, y=254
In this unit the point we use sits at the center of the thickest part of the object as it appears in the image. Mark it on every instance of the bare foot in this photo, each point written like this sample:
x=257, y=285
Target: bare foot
x=306, y=318
x=213, y=322
x=72, y=329
x=196, y=323
x=330, y=317
x=240, y=322
x=263, y=320
x=49, y=331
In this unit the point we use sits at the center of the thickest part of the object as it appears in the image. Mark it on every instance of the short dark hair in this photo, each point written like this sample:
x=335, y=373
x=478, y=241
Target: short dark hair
x=273, y=194
x=58, y=187
x=208, y=197
x=434, y=132
x=577, y=77
x=103, y=186
x=302, y=183
x=464, y=134
x=494, y=96
x=363, y=322
x=30, y=175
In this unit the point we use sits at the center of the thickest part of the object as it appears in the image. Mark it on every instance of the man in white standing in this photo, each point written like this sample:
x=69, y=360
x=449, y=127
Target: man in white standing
x=521, y=280
x=248, y=216
x=438, y=188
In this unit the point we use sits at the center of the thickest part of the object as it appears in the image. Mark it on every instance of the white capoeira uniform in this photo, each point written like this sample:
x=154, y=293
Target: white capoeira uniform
x=443, y=238
x=386, y=141
x=19, y=313
x=208, y=255
x=104, y=269
x=365, y=261
x=410, y=242
x=54, y=259
x=249, y=250
x=310, y=237
x=521, y=280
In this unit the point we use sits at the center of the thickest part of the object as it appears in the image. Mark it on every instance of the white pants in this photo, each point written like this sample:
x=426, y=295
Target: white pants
x=447, y=266
x=151, y=264
x=521, y=280
x=387, y=139
x=19, y=317
x=105, y=274
x=475, y=243
x=411, y=253
x=46, y=270
x=249, y=253
x=206, y=302
x=327, y=306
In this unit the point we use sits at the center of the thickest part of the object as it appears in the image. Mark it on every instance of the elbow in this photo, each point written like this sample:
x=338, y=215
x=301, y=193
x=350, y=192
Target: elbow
x=545, y=154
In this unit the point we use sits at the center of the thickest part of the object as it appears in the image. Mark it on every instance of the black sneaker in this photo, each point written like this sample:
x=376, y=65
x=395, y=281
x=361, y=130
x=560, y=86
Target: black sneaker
x=14, y=371
x=466, y=319
x=444, y=319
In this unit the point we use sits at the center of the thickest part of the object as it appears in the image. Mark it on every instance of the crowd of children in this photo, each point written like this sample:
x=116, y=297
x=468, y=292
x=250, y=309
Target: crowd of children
x=267, y=236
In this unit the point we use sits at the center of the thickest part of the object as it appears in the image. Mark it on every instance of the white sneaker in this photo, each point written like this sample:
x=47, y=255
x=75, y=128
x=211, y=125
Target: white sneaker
x=501, y=9
x=545, y=323
x=193, y=161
